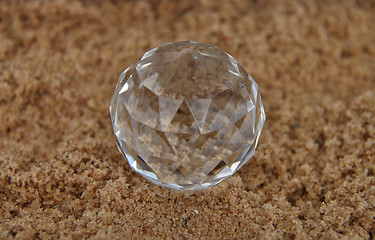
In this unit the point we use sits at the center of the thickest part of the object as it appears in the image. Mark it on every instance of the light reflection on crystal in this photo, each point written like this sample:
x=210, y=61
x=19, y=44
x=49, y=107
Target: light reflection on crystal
x=187, y=115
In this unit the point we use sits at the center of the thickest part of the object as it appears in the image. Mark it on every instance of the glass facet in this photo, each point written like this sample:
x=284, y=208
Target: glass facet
x=186, y=115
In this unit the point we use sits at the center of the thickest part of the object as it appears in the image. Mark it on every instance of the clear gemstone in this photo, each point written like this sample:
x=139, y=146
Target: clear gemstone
x=187, y=115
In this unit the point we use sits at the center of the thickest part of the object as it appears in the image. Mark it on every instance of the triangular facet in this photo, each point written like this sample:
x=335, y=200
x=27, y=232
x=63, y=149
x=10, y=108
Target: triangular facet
x=150, y=81
x=122, y=123
x=199, y=109
x=167, y=109
x=183, y=121
x=128, y=84
x=234, y=158
x=215, y=119
x=226, y=171
x=232, y=104
x=146, y=109
x=165, y=140
x=246, y=126
x=236, y=141
x=203, y=139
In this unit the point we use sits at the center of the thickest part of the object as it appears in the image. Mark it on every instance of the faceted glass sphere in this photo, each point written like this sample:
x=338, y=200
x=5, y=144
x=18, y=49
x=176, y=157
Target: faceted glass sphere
x=186, y=115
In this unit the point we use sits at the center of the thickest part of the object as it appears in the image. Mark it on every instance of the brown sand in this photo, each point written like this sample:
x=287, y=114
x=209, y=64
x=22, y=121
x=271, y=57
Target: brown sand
x=312, y=176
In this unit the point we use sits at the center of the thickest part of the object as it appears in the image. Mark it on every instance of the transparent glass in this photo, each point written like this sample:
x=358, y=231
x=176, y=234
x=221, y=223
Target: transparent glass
x=186, y=115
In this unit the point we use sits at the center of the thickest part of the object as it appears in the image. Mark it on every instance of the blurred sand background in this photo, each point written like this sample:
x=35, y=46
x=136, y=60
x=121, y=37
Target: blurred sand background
x=312, y=176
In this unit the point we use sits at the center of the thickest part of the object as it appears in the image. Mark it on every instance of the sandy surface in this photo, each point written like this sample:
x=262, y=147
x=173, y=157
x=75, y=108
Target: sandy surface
x=312, y=176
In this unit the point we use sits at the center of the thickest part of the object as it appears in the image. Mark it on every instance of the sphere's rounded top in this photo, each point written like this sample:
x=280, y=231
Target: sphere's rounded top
x=188, y=70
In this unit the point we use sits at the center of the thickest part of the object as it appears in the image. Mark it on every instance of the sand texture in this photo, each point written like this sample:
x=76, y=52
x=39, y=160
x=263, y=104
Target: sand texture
x=312, y=176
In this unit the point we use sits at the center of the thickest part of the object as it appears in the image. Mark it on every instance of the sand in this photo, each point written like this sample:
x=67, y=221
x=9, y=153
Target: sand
x=312, y=176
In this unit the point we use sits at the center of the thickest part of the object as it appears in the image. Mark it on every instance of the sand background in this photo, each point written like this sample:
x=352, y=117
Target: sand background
x=312, y=176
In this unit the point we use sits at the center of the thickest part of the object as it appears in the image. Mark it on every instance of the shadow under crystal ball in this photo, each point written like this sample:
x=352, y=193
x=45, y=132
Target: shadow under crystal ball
x=186, y=115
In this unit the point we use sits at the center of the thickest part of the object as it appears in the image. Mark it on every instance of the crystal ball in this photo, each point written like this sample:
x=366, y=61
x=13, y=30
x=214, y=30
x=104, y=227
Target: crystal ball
x=186, y=115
